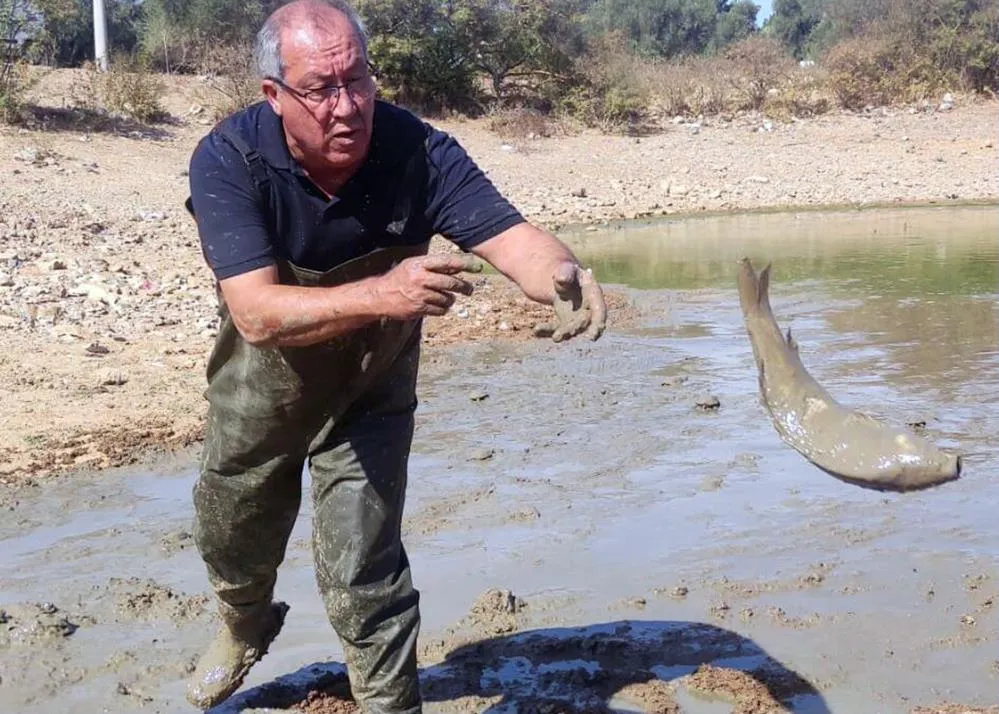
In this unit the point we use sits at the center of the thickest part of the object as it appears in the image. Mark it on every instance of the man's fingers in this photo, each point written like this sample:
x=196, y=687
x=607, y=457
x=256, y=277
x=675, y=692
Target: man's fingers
x=439, y=298
x=593, y=297
x=451, y=263
x=449, y=283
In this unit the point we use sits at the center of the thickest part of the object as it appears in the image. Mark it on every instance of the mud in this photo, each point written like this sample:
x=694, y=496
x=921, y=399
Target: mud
x=620, y=550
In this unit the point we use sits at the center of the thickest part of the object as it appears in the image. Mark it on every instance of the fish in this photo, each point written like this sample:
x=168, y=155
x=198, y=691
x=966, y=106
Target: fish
x=846, y=443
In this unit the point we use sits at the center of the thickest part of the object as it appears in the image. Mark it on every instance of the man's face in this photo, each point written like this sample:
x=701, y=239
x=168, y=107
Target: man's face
x=327, y=131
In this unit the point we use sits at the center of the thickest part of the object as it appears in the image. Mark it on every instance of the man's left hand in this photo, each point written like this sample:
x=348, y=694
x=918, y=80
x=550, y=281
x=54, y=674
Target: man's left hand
x=579, y=303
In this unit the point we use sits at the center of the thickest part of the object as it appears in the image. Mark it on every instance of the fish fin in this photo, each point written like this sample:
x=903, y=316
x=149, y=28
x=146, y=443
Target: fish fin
x=764, y=285
x=791, y=342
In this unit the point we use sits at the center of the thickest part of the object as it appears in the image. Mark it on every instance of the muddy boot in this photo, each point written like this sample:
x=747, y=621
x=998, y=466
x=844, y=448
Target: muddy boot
x=235, y=649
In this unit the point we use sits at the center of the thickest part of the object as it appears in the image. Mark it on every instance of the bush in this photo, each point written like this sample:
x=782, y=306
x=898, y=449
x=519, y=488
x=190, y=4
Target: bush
x=520, y=123
x=11, y=90
x=231, y=82
x=877, y=70
x=606, y=89
x=759, y=66
x=129, y=88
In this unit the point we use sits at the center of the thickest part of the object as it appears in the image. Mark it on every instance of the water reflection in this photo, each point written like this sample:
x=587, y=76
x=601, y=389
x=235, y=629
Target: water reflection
x=947, y=341
x=902, y=296
x=953, y=250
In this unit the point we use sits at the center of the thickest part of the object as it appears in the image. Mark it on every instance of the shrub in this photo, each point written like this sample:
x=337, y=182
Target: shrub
x=520, y=123
x=129, y=88
x=759, y=66
x=230, y=80
x=875, y=69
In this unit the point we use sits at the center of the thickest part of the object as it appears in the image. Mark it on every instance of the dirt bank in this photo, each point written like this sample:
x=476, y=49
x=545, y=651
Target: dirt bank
x=107, y=311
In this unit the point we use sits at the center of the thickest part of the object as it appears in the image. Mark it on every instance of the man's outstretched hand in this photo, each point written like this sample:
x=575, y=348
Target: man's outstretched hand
x=579, y=304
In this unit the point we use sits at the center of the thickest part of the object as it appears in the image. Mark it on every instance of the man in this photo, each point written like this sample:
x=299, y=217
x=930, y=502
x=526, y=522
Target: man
x=315, y=209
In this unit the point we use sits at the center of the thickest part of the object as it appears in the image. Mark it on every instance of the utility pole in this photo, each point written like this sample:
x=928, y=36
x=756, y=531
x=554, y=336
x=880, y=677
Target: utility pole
x=100, y=37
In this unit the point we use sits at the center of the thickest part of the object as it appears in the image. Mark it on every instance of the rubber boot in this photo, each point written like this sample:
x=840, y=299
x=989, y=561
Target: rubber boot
x=235, y=649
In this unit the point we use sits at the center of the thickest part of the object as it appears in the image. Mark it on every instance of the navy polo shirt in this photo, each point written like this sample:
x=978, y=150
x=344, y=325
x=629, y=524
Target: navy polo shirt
x=416, y=182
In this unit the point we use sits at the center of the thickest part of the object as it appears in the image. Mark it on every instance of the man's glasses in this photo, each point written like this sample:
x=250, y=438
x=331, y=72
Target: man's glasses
x=360, y=89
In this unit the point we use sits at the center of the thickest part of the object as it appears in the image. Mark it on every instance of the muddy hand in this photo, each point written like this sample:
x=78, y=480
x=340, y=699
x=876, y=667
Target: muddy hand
x=425, y=285
x=579, y=304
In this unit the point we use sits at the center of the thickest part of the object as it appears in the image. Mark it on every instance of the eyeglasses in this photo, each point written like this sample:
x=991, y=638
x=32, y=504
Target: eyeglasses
x=360, y=89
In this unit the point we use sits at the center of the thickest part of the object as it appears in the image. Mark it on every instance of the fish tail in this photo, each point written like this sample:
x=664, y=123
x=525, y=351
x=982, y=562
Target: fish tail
x=754, y=290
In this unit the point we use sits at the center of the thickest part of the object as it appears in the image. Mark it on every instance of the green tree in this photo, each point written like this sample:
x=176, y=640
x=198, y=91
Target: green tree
x=522, y=38
x=175, y=35
x=792, y=23
x=65, y=37
x=663, y=28
x=17, y=21
x=736, y=21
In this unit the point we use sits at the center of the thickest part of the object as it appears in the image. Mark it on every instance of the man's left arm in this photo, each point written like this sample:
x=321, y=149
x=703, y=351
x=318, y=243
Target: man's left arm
x=466, y=208
x=547, y=272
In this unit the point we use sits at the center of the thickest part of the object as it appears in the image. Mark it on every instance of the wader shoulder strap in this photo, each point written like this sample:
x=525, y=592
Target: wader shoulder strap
x=251, y=157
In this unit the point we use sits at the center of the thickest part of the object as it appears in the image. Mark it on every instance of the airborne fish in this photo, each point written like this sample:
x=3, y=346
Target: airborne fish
x=845, y=443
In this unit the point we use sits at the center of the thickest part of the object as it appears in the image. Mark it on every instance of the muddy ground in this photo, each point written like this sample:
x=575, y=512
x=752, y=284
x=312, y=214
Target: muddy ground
x=587, y=534
x=590, y=530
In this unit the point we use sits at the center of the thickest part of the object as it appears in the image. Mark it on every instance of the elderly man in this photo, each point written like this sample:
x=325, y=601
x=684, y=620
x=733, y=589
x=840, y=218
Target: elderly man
x=315, y=209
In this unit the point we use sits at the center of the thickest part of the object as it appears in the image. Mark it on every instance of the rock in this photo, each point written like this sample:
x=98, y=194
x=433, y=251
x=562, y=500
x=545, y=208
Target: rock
x=756, y=179
x=580, y=192
x=481, y=455
x=111, y=377
x=28, y=155
x=96, y=348
x=478, y=395
x=678, y=190
x=674, y=381
x=708, y=402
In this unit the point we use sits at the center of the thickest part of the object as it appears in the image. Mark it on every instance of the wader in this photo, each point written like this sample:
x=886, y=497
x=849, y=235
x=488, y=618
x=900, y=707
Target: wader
x=345, y=408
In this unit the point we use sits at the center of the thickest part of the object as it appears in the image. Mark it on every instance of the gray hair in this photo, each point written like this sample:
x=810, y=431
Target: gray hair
x=267, y=47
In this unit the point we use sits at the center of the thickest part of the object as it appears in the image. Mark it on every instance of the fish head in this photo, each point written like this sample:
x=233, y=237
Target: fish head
x=925, y=466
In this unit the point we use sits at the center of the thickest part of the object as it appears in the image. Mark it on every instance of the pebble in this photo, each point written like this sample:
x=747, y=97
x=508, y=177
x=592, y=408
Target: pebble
x=111, y=377
x=482, y=454
x=708, y=402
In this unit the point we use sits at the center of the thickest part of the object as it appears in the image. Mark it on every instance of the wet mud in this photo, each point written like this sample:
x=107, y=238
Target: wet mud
x=621, y=549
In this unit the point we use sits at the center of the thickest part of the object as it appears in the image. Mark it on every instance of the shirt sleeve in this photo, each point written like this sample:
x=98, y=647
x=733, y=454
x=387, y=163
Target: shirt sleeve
x=463, y=205
x=231, y=226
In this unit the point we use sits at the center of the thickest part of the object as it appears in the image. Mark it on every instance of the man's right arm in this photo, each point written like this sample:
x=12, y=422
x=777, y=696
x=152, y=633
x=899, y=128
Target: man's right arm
x=239, y=250
x=268, y=313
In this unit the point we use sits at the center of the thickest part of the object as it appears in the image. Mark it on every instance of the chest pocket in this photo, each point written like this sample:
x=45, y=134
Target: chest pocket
x=392, y=210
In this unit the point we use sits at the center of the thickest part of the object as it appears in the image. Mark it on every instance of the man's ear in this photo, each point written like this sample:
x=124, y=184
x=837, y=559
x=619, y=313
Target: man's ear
x=270, y=91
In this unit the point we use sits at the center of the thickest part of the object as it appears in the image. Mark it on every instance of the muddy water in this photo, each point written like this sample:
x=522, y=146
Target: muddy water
x=645, y=536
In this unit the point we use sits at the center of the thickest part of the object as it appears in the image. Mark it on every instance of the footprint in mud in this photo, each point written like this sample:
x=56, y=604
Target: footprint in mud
x=176, y=542
x=134, y=599
x=32, y=624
